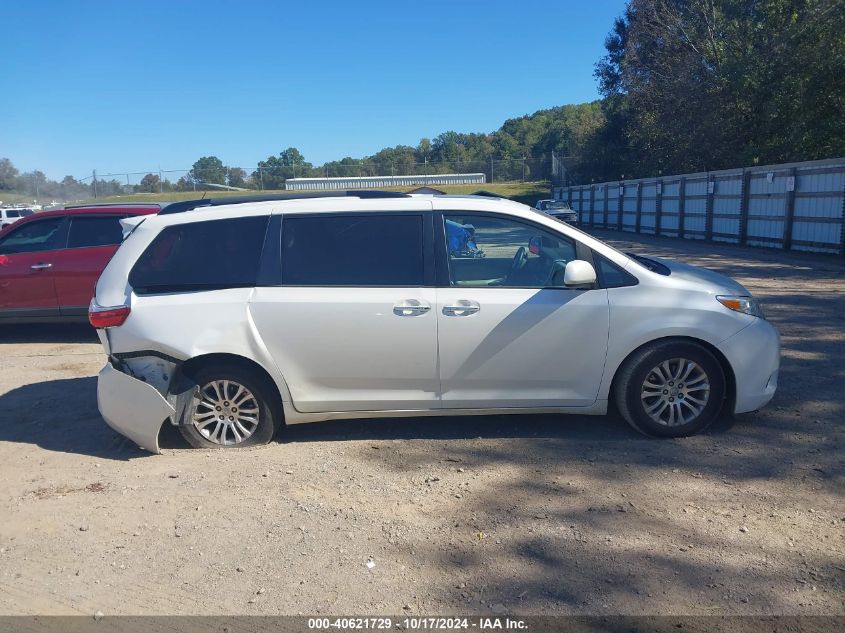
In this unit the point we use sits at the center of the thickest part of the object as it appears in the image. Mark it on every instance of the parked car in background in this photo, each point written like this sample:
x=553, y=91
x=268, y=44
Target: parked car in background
x=558, y=209
x=231, y=321
x=10, y=215
x=50, y=261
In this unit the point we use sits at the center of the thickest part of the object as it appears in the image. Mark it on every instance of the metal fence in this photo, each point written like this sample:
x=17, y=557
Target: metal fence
x=796, y=206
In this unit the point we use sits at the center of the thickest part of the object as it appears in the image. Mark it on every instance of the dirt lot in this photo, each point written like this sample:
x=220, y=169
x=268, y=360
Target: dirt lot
x=528, y=515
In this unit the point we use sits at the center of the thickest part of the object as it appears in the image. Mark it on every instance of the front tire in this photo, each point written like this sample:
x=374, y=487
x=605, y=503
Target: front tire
x=234, y=409
x=670, y=389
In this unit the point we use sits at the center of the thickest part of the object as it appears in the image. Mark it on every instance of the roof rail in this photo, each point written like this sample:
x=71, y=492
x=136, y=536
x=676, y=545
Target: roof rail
x=188, y=205
x=115, y=204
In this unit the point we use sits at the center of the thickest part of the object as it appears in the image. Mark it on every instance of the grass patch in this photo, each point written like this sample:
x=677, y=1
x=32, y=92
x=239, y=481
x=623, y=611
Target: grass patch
x=525, y=192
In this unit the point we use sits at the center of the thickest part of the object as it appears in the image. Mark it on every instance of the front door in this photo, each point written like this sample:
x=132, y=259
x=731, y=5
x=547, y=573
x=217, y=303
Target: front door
x=511, y=335
x=27, y=255
x=352, y=325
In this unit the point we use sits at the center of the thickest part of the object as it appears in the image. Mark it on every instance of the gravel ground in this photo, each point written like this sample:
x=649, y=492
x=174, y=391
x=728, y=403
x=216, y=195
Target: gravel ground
x=528, y=515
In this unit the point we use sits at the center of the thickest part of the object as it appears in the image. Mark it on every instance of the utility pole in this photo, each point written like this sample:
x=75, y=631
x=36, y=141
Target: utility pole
x=491, y=170
x=94, y=174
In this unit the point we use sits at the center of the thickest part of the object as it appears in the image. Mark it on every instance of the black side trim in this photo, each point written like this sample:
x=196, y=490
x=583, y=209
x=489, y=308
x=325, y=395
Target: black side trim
x=429, y=266
x=441, y=257
x=120, y=356
x=27, y=313
x=74, y=311
x=270, y=265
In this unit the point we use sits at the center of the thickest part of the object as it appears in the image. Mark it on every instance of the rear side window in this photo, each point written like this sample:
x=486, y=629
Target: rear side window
x=94, y=232
x=201, y=256
x=372, y=250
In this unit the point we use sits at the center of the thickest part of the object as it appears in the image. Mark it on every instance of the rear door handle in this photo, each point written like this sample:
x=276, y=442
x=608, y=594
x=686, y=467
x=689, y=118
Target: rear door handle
x=462, y=307
x=411, y=307
x=41, y=266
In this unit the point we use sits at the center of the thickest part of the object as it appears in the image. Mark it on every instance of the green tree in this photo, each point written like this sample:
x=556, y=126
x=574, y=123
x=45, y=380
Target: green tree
x=185, y=183
x=8, y=174
x=236, y=177
x=150, y=183
x=290, y=163
x=209, y=169
x=32, y=183
x=706, y=84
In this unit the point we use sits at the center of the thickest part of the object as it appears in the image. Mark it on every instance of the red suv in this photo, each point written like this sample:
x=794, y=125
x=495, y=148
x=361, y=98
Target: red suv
x=50, y=262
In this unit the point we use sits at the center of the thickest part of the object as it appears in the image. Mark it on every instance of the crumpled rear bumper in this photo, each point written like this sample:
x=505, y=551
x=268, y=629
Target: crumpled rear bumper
x=132, y=407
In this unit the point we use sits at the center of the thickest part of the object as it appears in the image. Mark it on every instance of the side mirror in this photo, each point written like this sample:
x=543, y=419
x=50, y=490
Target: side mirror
x=579, y=273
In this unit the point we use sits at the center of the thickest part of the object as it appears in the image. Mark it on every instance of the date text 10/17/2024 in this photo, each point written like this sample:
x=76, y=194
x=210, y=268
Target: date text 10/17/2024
x=481, y=623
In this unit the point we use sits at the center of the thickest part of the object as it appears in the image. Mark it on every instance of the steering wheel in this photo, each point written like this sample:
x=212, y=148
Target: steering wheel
x=519, y=260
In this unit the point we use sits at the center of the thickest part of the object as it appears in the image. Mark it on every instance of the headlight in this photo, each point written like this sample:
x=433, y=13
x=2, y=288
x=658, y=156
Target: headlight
x=746, y=305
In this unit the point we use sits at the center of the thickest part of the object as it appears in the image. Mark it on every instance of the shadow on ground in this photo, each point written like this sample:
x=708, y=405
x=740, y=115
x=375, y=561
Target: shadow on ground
x=48, y=333
x=62, y=415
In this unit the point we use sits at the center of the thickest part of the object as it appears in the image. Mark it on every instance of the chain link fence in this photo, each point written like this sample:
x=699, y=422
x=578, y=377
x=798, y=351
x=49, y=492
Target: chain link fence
x=264, y=178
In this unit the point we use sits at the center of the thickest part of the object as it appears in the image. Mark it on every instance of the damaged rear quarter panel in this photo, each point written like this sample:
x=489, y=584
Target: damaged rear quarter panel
x=187, y=325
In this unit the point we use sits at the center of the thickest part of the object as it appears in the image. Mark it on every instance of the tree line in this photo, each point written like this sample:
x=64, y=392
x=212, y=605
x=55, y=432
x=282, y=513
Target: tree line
x=686, y=85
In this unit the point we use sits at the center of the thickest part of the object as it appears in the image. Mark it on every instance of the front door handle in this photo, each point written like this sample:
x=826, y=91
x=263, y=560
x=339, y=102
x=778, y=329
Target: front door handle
x=41, y=266
x=462, y=307
x=411, y=307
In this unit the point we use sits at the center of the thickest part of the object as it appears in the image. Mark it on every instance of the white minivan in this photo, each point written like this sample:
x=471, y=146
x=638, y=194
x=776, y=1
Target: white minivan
x=230, y=320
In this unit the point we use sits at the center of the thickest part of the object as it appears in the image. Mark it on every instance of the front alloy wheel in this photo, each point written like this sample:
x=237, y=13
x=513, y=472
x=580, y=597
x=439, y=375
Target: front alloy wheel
x=671, y=388
x=675, y=392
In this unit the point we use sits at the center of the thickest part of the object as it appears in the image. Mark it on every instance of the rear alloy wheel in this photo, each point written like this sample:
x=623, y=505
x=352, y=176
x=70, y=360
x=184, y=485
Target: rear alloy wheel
x=670, y=389
x=232, y=411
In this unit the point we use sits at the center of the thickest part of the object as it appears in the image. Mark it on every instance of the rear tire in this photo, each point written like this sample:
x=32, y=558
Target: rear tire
x=670, y=389
x=235, y=409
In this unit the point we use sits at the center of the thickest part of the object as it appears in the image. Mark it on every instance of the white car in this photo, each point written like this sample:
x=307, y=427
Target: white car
x=10, y=215
x=232, y=320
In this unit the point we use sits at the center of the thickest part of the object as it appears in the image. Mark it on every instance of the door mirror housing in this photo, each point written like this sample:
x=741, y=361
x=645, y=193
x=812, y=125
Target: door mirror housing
x=579, y=273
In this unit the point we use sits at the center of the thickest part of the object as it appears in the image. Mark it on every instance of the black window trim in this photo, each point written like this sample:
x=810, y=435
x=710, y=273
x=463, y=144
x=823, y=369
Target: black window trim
x=118, y=217
x=61, y=235
x=632, y=279
x=581, y=251
x=428, y=244
x=185, y=288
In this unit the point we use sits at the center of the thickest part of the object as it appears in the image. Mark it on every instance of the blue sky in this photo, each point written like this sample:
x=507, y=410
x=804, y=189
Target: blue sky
x=134, y=86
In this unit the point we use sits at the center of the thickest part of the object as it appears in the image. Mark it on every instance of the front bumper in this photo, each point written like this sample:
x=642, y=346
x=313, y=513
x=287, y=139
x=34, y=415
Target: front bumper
x=754, y=356
x=132, y=407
